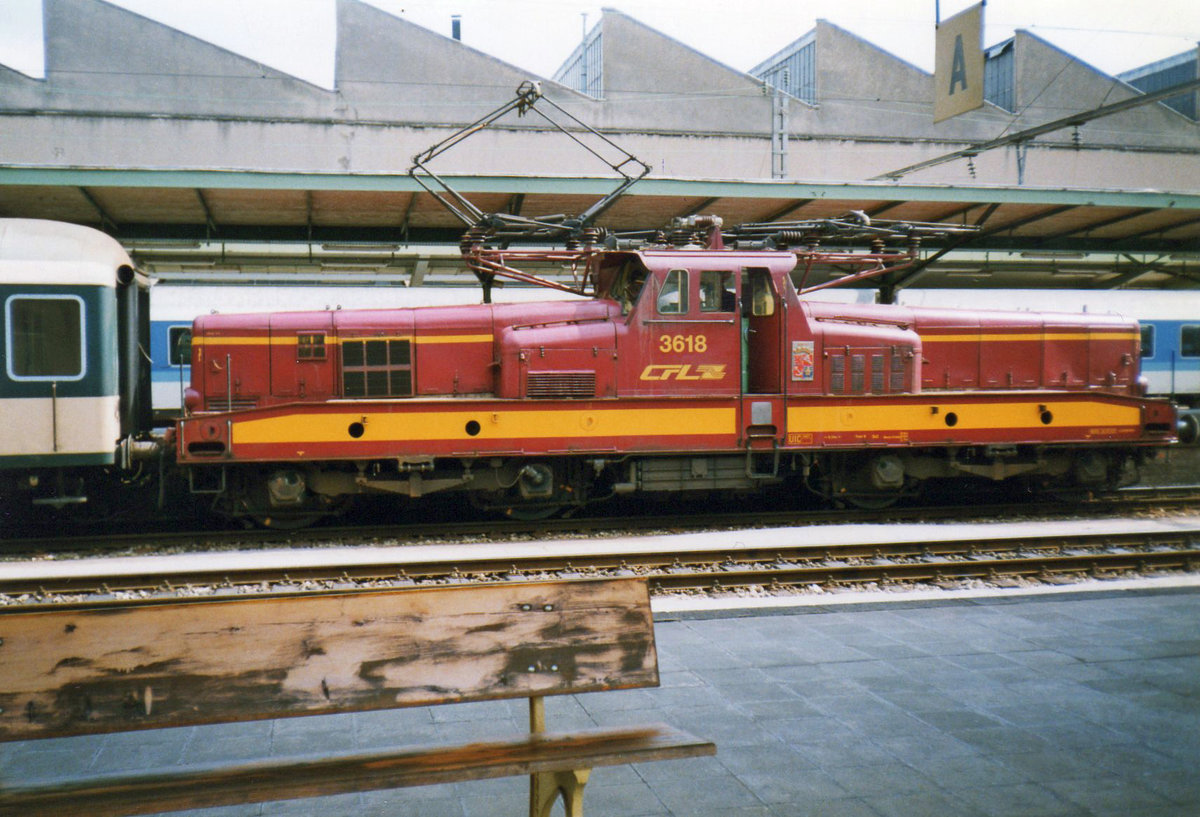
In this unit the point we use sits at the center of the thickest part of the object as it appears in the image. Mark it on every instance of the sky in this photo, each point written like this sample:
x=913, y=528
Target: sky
x=297, y=36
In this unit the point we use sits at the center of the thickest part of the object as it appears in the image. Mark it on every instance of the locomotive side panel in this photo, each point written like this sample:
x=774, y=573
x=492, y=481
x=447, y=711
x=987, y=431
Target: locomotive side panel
x=303, y=351
x=571, y=361
x=1011, y=349
x=1066, y=362
x=231, y=361
x=453, y=351
x=950, y=349
x=866, y=350
x=1113, y=352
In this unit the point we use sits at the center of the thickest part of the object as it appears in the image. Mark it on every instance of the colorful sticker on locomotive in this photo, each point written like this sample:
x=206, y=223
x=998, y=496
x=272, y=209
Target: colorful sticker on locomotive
x=803, y=354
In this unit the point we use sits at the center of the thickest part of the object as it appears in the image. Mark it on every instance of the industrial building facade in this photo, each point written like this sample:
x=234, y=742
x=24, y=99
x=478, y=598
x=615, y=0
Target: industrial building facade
x=147, y=131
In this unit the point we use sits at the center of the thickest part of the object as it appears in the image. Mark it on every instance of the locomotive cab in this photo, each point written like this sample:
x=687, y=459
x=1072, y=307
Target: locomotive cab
x=699, y=323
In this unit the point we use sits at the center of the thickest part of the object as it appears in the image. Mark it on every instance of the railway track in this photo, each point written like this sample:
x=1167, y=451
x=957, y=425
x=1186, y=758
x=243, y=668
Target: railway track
x=762, y=559
x=1173, y=499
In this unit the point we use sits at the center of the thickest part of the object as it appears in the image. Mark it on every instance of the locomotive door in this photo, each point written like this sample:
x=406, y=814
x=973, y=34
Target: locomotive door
x=301, y=359
x=763, y=321
x=762, y=400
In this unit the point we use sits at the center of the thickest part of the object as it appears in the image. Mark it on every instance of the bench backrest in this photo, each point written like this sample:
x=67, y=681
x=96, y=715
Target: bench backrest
x=148, y=665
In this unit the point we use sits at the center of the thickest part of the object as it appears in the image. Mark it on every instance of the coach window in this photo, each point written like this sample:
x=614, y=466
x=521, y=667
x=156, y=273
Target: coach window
x=1189, y=340
x=45, y=337
x=179, y=345
x=1147, y=340
x=672, y=298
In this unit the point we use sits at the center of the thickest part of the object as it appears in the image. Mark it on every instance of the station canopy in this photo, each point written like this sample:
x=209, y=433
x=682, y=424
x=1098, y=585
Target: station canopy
x=245, y=223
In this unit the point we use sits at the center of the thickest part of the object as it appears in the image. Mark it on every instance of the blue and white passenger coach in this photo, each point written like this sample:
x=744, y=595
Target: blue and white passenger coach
x=75, y=388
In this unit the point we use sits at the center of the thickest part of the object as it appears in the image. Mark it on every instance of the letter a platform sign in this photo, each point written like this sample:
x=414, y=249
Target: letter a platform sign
x=958, y=64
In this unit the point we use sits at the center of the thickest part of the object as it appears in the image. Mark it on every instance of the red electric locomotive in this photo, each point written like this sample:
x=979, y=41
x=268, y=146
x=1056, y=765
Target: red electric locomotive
x=689, y=369
x=689, y=366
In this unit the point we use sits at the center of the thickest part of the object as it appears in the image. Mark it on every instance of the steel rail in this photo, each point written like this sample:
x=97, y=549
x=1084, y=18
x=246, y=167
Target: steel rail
x=721, y=566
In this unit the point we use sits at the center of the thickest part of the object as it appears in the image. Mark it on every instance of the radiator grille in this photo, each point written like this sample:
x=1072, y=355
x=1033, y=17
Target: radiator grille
x=858, y=369
x=837, y=374
x=898, y=379
x=877, y=374
x=236, y=404
x=561, y=384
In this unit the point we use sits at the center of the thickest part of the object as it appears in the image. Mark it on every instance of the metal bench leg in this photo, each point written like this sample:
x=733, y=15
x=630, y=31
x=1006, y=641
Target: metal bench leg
x=544, y=787
x=548, y=785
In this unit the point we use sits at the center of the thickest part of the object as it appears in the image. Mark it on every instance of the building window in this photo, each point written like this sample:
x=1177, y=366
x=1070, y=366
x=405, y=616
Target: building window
x=999, y=71
x=793, y=70
x=310, y=346
x=45, y=337
x=1147, y=340
x=179, y=345
x=1189, y=340
x=1165, y=73
x=584, y=69
x=377, y=368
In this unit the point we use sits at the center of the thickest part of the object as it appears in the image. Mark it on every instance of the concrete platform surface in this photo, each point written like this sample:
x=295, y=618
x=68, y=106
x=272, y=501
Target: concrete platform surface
x=1012, y=706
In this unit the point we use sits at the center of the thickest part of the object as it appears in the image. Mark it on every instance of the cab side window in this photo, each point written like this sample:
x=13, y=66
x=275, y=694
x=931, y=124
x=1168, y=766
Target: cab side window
x=627, y=285
x=718, y=291
x=673, y=297
x=762, y=293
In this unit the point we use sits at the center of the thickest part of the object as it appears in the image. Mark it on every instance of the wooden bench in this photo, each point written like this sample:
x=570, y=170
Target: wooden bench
x=116, y=668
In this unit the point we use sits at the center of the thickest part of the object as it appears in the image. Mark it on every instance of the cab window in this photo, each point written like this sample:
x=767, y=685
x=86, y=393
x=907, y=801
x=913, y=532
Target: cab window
x=718, y=291
x=627, y=285
x=45, y=337
x=762, y=293
x=672, y=298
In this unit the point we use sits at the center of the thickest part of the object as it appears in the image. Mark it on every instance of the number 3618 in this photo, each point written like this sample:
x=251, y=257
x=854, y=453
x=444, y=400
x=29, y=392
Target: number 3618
x=682, y=343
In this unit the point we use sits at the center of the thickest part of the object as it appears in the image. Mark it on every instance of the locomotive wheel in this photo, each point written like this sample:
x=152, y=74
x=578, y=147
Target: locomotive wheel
x=868, y=482
x=252, y=503
x=871, y=502
x=532, y=513
x=297, y=521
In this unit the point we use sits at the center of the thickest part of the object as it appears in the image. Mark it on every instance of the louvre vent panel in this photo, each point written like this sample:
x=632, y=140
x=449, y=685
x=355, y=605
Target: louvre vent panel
x=560, y=384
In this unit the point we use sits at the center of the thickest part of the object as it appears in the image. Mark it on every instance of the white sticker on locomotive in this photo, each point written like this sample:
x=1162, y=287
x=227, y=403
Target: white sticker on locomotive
x=803, y=355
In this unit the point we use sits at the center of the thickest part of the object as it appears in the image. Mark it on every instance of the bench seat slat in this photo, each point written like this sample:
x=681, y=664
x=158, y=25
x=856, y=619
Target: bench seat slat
x=220, y=785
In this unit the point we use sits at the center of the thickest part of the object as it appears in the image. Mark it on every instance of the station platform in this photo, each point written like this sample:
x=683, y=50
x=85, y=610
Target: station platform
x=1002, y=704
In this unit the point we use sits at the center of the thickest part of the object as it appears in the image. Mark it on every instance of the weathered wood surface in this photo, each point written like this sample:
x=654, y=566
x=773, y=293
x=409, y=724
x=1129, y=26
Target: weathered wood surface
x=114, y=795
x=137, y=666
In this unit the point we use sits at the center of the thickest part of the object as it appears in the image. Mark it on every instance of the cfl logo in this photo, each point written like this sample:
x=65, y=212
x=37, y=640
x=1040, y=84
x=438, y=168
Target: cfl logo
x=684, y=371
